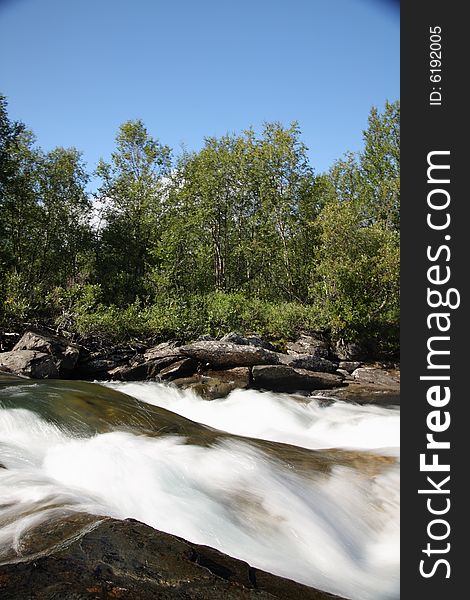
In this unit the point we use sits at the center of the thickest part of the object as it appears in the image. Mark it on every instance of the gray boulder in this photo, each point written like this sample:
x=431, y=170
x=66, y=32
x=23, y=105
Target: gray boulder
x=37, y=365
x=249, y=340
x=227, y=354
x=378, y=377
x=308, y=361
x=309, y=344
x=65, y=353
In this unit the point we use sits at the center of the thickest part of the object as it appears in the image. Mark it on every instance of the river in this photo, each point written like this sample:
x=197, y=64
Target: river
x=306, y=488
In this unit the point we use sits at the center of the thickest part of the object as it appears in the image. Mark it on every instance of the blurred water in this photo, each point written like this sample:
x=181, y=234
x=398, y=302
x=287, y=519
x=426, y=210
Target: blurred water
x=335, y=529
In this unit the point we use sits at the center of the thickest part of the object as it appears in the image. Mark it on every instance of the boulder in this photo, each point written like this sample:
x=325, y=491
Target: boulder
x=350, y=351
x=209, y=388
x=249, y=340
x=37, y=365
x=96, y=366
x=283, y=378
x=378, y=377
x=65, y=353
x=129, y=560
x=309, y=362
x=137, y=371
x=309, y=344
x=162, y=350
x=227, y=354
x=240, y=376
x=180, y=368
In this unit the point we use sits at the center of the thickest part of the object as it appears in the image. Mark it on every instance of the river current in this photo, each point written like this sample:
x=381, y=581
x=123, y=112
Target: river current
x=305, y=488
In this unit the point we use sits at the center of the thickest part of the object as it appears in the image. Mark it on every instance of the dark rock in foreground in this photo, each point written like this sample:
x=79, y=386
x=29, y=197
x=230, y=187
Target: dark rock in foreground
x=132, y=561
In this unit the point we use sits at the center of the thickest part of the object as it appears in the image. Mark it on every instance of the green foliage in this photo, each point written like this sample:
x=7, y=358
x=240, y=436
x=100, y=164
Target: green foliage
x=238, y=236
x=357, y=273
x=132, y=191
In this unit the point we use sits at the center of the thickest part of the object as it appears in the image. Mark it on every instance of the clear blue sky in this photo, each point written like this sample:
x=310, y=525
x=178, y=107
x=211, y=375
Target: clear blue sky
x=74, y=70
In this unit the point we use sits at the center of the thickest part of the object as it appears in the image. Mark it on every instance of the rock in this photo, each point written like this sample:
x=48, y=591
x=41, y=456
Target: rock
x=363, y=394
x=162, y=350
x=180, y=368
x=350, y=351
x=349, y=365
x=308, y=344
x=133, y=372
x=37, y=365
x=65, y=353
x=96, y=367
x=249, y=340
x=240, y=376
x=378, y=377
x=226, y=354
x=99, y=364
x=129, y=560
x=344, y=374
x=214, y=384
x=211, y=389
x=309, y=362
x=284, y=378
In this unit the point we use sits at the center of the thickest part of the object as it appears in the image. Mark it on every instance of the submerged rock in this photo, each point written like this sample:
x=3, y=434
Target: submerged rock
x=130, y=560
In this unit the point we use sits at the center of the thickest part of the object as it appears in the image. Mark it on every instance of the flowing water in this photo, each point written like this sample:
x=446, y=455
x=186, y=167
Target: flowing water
x=300, y=487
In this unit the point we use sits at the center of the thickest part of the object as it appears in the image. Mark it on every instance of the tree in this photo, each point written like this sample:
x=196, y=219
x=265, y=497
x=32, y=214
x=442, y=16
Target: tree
x=64, y=217
x=371, y=178
x=133, y=189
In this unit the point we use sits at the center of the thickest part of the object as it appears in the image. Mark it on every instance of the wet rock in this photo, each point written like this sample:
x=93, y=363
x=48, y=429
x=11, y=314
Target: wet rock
x=130, y=561
x=212, y=389
x=240, y=376
x=227, y=354
x=308, y=344
x=284, y=378
x=363, y=394
x=214, y=384
x=37, y=365
x=65, y=353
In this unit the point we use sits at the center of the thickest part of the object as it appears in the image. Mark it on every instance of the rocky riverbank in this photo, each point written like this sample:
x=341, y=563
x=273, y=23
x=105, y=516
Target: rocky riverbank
x=103, y=558
x=210, y=367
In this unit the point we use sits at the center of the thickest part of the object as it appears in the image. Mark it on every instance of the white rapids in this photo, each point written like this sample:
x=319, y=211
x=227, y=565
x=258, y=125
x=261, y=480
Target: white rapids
x=338, y=531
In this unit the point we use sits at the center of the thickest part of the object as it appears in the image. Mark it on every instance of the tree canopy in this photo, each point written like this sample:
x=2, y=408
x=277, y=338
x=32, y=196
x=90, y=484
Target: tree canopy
x=240, y=233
